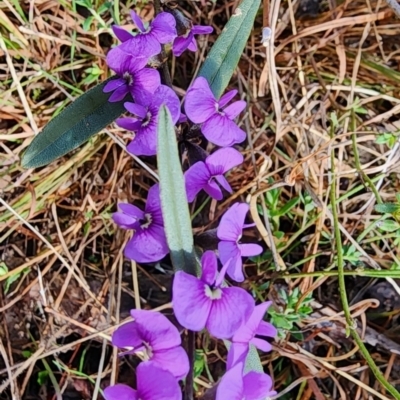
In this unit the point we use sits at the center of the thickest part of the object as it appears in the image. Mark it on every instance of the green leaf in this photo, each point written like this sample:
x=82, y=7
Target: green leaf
x=86, y=24
x=388, y=225
x=174, y=205
x=253, y=362
x=387, y=208
x=224, y=56
x=42, y=377
x=86, y=116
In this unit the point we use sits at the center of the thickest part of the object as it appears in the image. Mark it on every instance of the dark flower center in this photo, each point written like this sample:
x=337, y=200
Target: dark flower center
x=128, y=78
x=146, y=120
x=218, y=109
x=146, y=221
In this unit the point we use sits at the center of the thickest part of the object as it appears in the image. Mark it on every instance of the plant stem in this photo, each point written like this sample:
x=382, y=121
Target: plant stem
x=164, y=70
x=342, y=289
x=190, y=348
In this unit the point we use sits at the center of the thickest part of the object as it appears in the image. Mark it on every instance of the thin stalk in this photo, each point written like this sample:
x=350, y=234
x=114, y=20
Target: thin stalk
x=190, y=348
x=357, y=272
x=164, y=70
x=364, y=176
x=342, y=289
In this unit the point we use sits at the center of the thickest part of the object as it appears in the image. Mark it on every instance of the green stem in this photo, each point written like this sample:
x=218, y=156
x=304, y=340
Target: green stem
x=365, y=177
x=342, y=290
x=358, y=272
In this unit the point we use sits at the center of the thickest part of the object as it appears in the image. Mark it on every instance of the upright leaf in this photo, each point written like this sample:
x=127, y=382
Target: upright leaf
x=224, y=56
x=178, y=227
x=86, y=116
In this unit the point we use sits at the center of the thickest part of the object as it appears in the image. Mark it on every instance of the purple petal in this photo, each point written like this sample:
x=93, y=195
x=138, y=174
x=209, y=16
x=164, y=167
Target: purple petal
x=209, y=267
x=155, y=383
x=200, y=103
x=248, y=330
x=230, y=254
x=231, y=385
x=119, y=93
x=165, y=95
x=182, y=118
x=261, y=344
x=120, y=392
x=127, y=336
x=113, y=85
x=237, y=354
x=223, y=160
x=228, y=251
x=163, y=27
x=229, y=312
x=147, y=245
x=223, y=182
x=136, y=109
x=156, y=329
x=196, y=178
x=213, y=190
x=131, y=210
x=138, y=21
x=233, y=110
x=125, y=221
x=193, y=45
x=257, y=386
x=180, y=44
x=130, y=124
x=250, y=249
x=145, y=141
x=220, y=130
x=202, y=29
x=174, y=360
x=144, y=44
x=121, y=33
x=231, y=224
x=147, y=79
x=226, y=98
x=121, y=61
x=153, y=202
x=266, y=329
x=191, y=305
x=129, y=217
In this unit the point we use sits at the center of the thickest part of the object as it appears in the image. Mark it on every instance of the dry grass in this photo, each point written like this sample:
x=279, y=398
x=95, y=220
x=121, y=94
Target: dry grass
x=330, y=83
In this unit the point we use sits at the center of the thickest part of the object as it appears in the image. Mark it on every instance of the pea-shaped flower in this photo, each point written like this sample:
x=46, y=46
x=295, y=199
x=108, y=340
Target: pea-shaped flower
x=207, y=303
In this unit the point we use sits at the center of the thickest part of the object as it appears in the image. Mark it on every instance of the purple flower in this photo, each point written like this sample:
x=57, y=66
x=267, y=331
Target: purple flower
x=149, y=243
x=144, y=123
x=245, y=335
x=152, y=334
x=229, y=233
x=206, y=175
x=148, y=40
x=216, y=119
x=252, y=386
x=187, y=41
x=205, y=302
x=133, y=77
x=153, y=383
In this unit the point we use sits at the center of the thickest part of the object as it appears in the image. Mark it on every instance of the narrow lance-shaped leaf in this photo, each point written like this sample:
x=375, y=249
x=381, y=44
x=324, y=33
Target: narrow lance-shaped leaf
x=175, y=209
x=224, y=56
x=86, y=116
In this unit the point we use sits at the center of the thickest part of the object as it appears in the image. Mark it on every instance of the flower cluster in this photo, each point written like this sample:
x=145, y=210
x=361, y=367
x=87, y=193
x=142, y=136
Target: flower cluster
x=158, y=342
x=205, y=302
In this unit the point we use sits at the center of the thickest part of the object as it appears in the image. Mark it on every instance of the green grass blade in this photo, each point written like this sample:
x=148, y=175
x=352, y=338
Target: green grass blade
x=178, y=227
x=86, y=116
x=224, y=56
